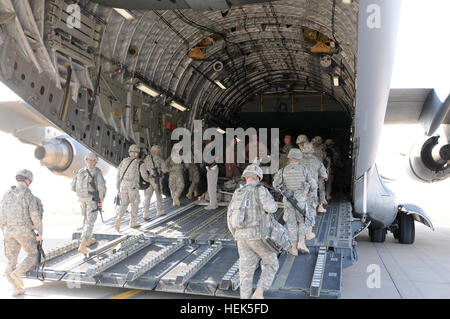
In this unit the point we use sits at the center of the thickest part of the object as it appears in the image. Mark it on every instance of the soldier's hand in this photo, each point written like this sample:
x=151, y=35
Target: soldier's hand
x=39, y=238
x=100, y=205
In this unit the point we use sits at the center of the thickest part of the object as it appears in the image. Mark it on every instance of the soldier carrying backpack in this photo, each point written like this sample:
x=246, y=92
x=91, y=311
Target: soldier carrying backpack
x=245, y=219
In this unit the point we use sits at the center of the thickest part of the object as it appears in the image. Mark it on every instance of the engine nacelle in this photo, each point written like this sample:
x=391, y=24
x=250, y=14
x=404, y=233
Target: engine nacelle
x=65, y=156
x=429, y=159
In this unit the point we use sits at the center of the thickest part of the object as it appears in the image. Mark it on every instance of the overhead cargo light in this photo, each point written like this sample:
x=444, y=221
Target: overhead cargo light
x=220, y=130
x=178, y=106
x=219, y=84
x=144, y=88
x=335, y=80
x=124, y=13
x=347, y=1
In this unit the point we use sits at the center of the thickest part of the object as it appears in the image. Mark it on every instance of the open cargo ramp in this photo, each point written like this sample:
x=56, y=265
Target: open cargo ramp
x=190, y=250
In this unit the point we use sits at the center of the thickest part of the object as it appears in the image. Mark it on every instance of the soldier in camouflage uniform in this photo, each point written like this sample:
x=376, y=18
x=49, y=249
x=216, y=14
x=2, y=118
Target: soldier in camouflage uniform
x=298, y=181
x=194, y=178
x=301, y=139
x=285, y=150
x=319, y=172
x=155, y=165
x=20, y=216
x=319, y=152
x=81, y=184
x=250, y=245
x=128, y=186
x=176, y=177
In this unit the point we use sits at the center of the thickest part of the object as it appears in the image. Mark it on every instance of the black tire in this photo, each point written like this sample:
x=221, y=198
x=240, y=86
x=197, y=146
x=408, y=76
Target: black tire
x=407, y=230
x=396, y=234
x=377, y=235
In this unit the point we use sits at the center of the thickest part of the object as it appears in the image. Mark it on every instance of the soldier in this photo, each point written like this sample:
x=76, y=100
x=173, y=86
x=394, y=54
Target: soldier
x=155, y=166
x=176, y=178
x=245, y=220
x=319, y=152
x=127, y=184
x=298, y=180
x=86, y=183
x=232, y=166
x=301, y=139
x=20, y=216
x=194, y=178
x=319, y=172
x=285, y=150
x=212, y=176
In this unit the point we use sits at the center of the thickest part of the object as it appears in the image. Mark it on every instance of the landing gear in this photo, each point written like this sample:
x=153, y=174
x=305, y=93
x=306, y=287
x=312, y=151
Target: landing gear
x=377, y=235
x=406, y=231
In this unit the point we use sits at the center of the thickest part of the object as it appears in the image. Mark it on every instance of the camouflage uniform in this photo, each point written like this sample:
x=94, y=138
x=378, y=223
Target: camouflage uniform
x=251, y=248
x=160, y=167
x=319, y=152
x=250, y=245
x=318, y=173
x=129, y=187
x=176, y=180
x=298, y=181
x=212, y=177
x=81, y=185
x=194, y=178
x=20, y=214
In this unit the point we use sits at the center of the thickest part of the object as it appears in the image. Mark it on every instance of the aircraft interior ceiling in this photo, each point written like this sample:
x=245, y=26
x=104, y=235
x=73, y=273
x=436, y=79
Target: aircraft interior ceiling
x=269, y=47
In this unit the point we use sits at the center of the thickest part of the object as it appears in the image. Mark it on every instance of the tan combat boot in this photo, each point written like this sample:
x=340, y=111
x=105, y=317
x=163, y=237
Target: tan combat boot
x=259, y=293
x=117, y=223
x=82, y=248
x=320, y=209
x=17, y=280
x=189, y=195
x=160, y=212
x=301, y=245
x=18, y=291
x=176, y=200
x=145, y=215
x=309, y=234
x=293, y=251
x=134, y=223
x=91, y=241
x=209, y=207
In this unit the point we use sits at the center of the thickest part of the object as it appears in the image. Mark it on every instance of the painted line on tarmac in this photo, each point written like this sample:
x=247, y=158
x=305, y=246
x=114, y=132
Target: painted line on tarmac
x=127, y=294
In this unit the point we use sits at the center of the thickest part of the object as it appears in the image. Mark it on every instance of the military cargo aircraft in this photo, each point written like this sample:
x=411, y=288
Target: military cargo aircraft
x=111, y=73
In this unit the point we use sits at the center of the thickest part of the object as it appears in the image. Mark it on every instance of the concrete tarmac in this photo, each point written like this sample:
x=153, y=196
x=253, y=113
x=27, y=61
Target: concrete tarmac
x=384, y=270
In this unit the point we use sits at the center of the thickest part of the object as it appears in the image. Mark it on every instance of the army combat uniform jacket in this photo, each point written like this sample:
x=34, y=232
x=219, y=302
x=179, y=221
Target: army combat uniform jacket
x=20, y=214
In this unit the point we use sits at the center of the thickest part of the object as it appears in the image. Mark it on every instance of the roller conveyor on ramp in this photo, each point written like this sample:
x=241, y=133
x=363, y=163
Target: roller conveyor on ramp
x=190, y=250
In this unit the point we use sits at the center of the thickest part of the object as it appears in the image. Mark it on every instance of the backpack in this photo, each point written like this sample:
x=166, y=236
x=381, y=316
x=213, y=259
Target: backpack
x=82, y=186
x=143, y=184
x=243, y=208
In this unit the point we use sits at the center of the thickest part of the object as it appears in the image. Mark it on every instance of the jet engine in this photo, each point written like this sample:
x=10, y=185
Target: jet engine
x=64, y=156
x=429, y=159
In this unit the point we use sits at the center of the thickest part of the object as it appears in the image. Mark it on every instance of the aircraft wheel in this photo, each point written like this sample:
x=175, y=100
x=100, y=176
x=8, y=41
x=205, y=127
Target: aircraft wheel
x=377, y=235
x=407, y=229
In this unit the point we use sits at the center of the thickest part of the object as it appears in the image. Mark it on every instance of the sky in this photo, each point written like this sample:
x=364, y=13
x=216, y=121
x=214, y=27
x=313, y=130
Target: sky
x=421, y=61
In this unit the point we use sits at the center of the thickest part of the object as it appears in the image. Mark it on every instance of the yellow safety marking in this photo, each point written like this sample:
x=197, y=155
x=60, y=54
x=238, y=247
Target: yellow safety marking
x=127, y=294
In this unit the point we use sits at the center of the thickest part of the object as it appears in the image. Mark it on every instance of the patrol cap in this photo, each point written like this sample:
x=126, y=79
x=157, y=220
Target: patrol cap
x=317, y=140
x=308, y=148
x=329, y=142
x=302, y=139
x=24, y=174
x=91, y=157
x=253, y=170
x=295, y=153
x=134, y=148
